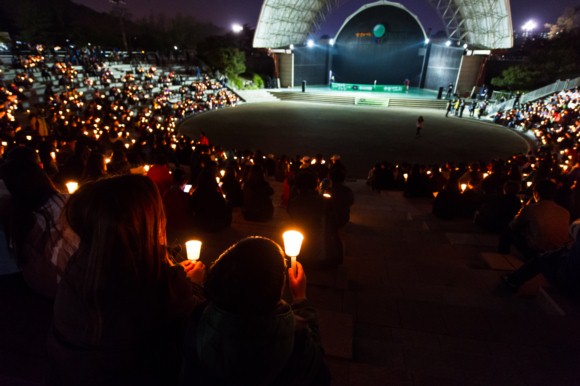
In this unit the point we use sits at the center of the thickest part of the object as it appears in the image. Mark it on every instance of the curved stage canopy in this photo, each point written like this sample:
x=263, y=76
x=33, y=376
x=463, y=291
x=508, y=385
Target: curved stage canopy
x=485, y=24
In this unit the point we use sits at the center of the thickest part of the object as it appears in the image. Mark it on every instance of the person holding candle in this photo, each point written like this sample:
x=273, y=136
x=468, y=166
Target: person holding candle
x=122, y=308
x=247, y=334
x=539, y=227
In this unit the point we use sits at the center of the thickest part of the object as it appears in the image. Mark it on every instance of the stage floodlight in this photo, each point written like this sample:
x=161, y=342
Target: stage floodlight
x=237, y=28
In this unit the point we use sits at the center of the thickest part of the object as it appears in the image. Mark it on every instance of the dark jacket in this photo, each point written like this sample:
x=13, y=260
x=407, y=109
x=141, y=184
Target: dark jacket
x=257, y=201
x=315, y=217
x=282, y=348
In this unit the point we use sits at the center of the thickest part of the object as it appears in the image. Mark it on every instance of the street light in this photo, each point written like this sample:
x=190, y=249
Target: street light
x=237, y=28
x=310, y=43
x=529, y=26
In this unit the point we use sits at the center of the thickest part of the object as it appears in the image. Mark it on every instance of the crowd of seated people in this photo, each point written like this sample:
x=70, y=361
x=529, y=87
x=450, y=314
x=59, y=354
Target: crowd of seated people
x=122, y=300
x=118, y=129
x=132, y=130
x=499, y=194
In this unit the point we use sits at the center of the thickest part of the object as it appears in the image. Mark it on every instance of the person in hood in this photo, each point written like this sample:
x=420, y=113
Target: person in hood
x=246, y=334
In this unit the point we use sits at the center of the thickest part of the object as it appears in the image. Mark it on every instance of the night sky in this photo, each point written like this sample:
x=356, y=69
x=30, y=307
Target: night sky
x=225, y=12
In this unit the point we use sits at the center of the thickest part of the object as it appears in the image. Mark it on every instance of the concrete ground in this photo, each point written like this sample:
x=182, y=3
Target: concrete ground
x=362, y=135
x=413, y=304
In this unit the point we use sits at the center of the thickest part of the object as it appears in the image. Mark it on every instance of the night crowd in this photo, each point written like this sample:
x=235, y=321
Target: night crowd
x=100, y=191
x=531, y=200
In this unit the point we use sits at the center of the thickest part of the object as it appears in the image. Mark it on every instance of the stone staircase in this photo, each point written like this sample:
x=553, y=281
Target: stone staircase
x=313, y=97
x=257, y=96
x=416, y=103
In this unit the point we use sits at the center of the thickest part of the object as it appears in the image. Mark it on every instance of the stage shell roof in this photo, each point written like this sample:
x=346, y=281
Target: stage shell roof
x=483, y=24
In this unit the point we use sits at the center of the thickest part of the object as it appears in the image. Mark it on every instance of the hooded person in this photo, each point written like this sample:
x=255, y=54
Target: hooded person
x=246, y=334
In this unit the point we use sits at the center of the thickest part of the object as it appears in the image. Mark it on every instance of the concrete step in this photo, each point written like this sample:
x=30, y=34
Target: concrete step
x=553, y=303
x=313, y=97
x=336, y=333
x=257, y=96
x=500, y=262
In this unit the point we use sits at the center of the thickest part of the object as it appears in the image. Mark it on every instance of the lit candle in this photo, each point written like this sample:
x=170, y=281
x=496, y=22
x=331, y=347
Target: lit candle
x=72, y=186
x=435, y=194
x=463, y=187
x=326, y=195
x=529, y=183
x=222, y=173
x=193, y=248
x=405, y=176
x=292, y=244
x=146, y=168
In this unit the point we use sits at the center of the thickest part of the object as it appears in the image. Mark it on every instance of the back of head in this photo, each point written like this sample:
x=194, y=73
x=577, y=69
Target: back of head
x=511, y=187
x=248, y=278
x=121, y=225
x=306, y=181
x=22, y=153
x=28, y=184
x=546, y=189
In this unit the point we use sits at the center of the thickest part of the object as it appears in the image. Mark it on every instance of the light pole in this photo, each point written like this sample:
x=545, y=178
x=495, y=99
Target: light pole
x=528, y=27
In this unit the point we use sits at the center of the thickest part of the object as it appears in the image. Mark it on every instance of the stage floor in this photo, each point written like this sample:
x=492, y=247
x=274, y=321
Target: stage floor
x=362, y=135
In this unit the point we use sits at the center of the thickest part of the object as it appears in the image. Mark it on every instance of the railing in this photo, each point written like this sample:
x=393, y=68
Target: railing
x=542, y=92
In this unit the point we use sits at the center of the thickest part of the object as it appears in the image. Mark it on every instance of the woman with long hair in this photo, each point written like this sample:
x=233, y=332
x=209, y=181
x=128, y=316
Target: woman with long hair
x=121, y=310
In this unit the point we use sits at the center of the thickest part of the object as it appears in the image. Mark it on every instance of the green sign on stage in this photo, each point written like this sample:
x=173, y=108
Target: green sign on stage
x=366, y=87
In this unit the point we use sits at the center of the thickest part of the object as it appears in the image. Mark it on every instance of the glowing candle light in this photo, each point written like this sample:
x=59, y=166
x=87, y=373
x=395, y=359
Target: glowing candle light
x=72, y=186
x=326, y=195
x=4, y=143
x=405, y=176
x=435, y=194
x=146, y=168
x=193, y=248
x=529, y=183
x=222, y=173
x=292, y=244
x=463, y=187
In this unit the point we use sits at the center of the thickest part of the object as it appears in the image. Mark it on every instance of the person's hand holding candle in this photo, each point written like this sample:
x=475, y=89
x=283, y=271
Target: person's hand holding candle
x=292, y=244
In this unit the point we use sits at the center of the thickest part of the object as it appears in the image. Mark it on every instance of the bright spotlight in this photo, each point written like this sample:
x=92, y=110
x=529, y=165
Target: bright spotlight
x=427, y=41
x=529, y=26
x=237, y=28
x=310, y=43
x=331, y=42
x=448, y=43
